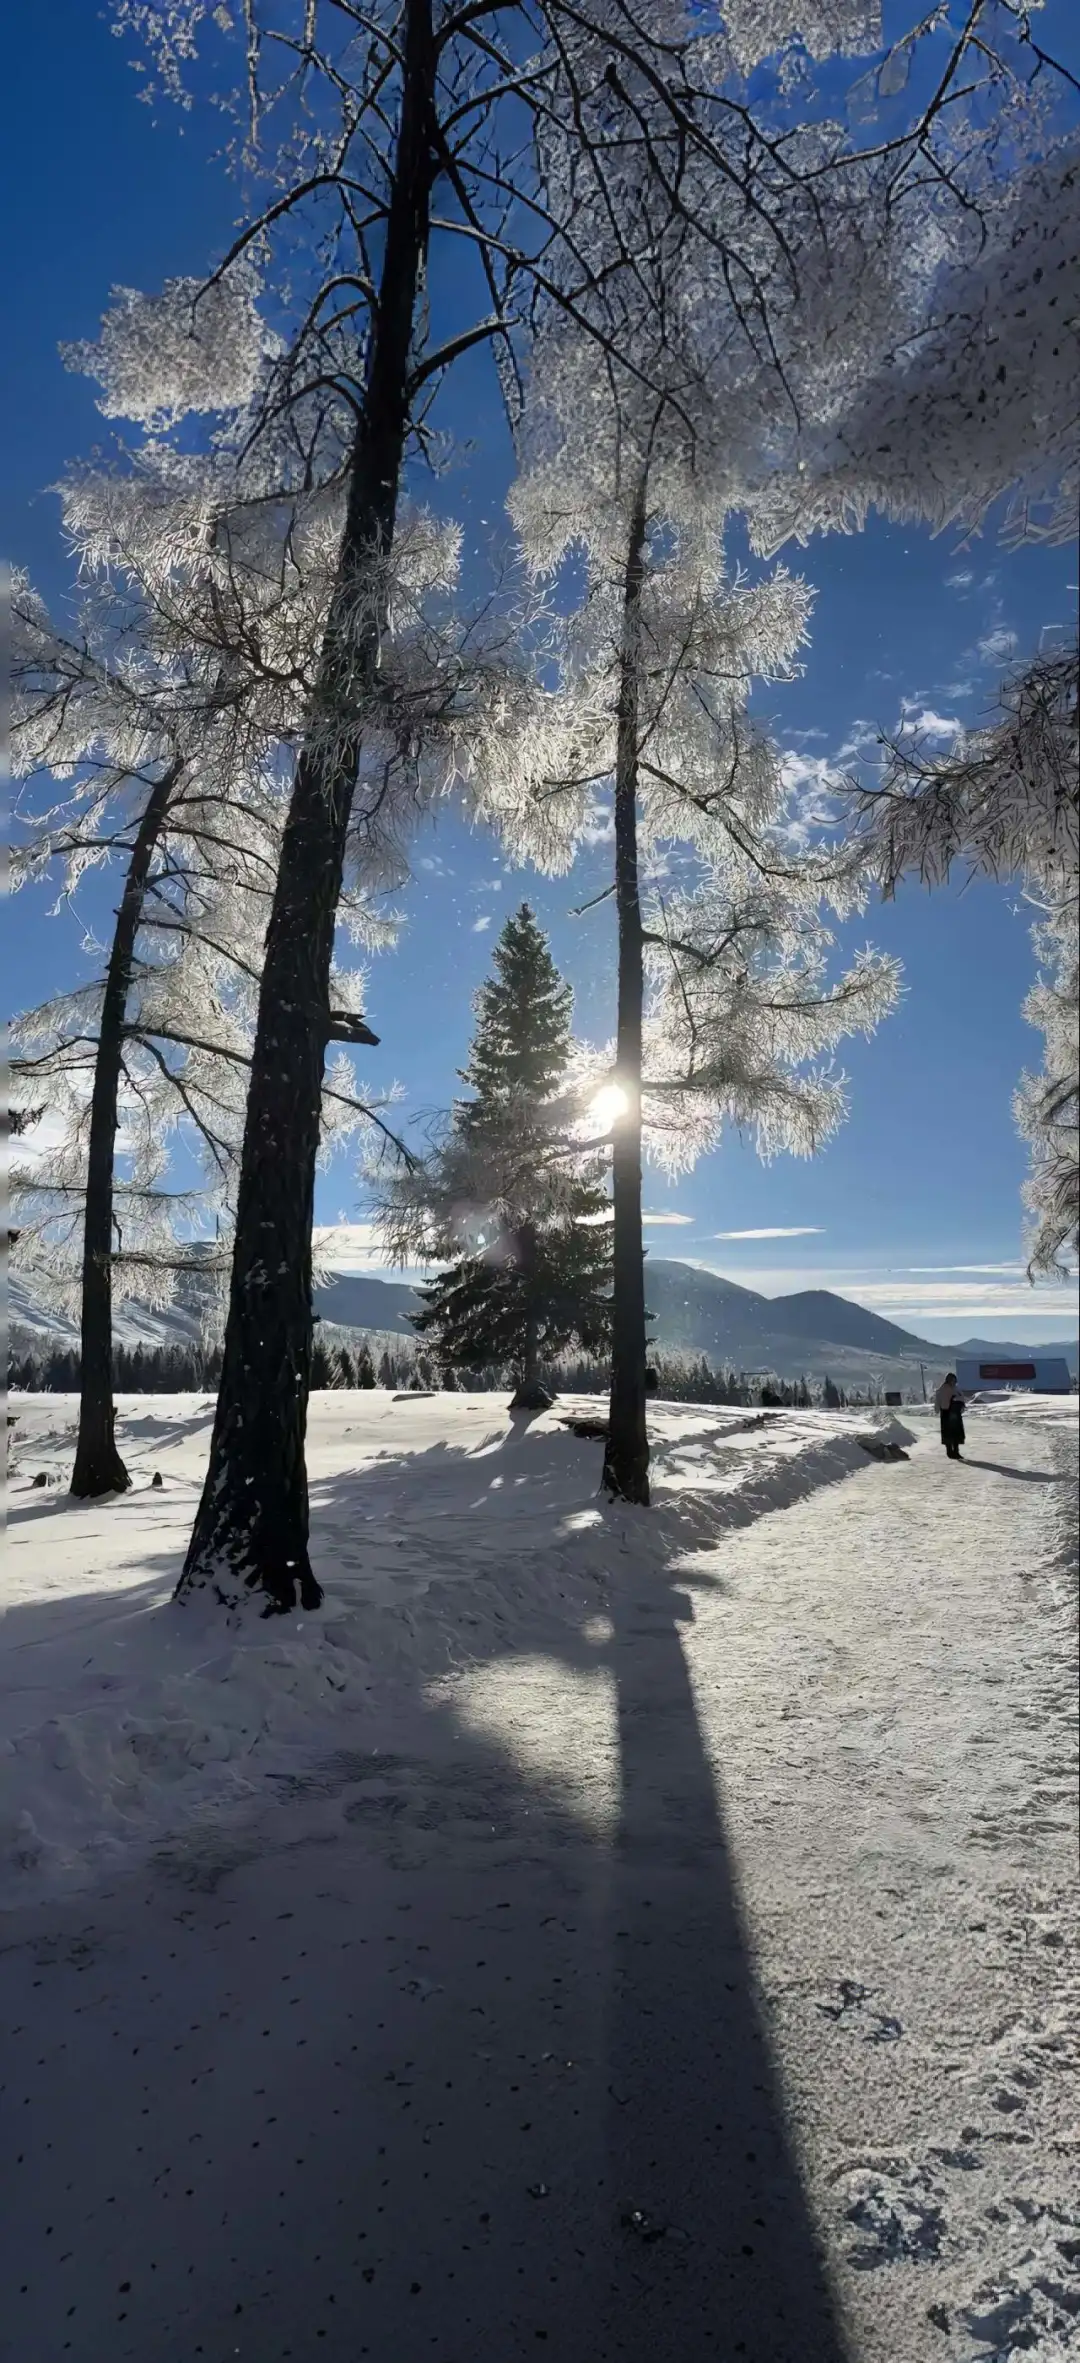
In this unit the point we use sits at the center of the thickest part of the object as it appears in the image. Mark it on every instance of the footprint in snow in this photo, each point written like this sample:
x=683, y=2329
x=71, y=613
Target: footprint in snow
x=1033, y=2306
x=898, y=2215
x=849, y=1997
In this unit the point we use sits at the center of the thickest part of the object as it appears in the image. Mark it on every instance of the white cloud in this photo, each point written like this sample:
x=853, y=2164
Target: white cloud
x=961, y=580
x=346, y=1246
x=970, y=1305
x=32, y=1148
x=1017, y=1270
x=861, y=736
x=811, y=782
x=783, y=1231
x=927, y=723
x=357, y=1247
x=657, y=1220
x=29, y=1152
x=806, y=771
x=599, y=826
x=997, y=646
x=479, y=925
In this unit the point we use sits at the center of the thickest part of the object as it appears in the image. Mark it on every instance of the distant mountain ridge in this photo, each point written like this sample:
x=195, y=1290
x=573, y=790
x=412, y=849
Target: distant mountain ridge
x=356, y=1300
x=811, y=1333
x=983, y=1349
x=817, y=1313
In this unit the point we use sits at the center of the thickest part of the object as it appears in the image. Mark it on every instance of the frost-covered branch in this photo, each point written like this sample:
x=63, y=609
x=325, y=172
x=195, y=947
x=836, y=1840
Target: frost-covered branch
x=1005, y=801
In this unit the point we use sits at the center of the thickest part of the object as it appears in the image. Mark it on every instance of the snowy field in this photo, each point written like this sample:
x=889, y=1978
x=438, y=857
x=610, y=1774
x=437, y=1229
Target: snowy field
x=607, y=1934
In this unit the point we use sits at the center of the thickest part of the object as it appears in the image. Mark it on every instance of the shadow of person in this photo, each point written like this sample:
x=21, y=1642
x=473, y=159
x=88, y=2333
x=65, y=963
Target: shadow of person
x=712, y=2251
x=998, y=1468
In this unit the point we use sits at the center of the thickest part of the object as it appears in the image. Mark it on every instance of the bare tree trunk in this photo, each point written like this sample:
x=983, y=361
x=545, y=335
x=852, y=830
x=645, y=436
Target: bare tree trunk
x=98, y=1466
x=251, y=1530
x=626, y=1459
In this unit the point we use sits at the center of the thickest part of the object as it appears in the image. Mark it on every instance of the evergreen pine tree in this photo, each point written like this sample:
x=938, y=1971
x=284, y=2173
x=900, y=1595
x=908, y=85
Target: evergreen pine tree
x=365, y=1367
x=522, y=1216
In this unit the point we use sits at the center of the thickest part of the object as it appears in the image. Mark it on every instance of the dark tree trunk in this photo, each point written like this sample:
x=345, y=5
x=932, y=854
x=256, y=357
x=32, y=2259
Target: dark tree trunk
x=98, y=1466
x=531, y=1394
x=530, y=1373
x=251, y=1530
x=626, y=1460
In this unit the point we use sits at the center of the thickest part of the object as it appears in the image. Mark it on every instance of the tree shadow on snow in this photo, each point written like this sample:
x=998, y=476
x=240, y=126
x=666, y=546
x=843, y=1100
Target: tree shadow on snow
x=703, y=2243
x=696, y=2134
x=670, y=2224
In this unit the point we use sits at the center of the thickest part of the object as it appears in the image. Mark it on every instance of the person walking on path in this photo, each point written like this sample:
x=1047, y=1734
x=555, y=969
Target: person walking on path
x=951, y=1407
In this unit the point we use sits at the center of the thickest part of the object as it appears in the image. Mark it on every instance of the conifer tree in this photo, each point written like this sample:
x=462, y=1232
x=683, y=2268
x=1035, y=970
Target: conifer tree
x=506, y=1197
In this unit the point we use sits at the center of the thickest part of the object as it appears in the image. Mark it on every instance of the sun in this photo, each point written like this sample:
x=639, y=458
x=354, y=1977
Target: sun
x=608, y=1106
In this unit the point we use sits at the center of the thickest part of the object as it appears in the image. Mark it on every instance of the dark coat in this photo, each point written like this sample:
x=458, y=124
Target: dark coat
x=952, y=1424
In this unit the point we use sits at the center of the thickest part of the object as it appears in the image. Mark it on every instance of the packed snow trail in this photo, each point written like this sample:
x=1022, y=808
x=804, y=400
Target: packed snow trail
x=690, y=1984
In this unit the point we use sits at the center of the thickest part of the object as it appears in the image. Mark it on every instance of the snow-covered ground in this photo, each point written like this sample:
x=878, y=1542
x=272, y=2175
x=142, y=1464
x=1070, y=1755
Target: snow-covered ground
x=630, y=1935
x=443, y=1531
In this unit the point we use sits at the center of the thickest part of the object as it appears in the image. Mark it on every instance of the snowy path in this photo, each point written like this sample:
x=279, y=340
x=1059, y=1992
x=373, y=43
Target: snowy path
x=686, y=1979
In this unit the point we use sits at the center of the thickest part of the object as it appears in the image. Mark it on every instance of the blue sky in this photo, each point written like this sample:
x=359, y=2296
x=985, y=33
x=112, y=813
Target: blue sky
x=915, y=1208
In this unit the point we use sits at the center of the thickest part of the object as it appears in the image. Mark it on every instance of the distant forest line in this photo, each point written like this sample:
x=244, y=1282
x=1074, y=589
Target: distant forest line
x=192, y=1369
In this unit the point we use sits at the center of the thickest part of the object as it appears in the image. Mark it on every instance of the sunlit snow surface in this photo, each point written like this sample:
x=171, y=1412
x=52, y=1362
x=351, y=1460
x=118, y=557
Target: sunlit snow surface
x=442, y=1531
x=584, y=1926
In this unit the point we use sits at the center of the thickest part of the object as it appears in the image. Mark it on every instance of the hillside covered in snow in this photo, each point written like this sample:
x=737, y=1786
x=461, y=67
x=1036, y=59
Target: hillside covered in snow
x=811, y=1333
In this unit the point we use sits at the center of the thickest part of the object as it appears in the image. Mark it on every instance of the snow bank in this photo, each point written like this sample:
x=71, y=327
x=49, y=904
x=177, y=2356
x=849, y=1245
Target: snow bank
x=443, y=1531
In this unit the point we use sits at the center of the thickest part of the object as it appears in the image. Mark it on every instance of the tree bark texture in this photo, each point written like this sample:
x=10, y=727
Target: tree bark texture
x=251, y=1531
x=626, y=1459
x=98, y=1466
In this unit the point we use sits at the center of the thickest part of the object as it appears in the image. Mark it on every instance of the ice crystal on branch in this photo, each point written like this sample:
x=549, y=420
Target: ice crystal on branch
x=192, y=348
x=1005, y=801
x=978, y=398
x=741, y=1009
x=1047, y=1105
x=758, y=29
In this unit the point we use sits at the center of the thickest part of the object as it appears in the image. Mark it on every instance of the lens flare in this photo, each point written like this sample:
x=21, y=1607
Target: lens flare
x=608, y=1106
